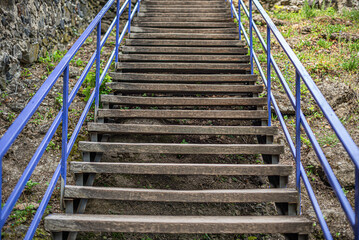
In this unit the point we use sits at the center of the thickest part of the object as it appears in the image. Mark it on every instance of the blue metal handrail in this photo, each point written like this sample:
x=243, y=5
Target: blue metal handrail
x=62, y=68
x=301, y=73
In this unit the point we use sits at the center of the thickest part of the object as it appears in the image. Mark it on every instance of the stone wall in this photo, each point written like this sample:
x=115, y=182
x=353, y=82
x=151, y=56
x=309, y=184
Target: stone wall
x=31, y=28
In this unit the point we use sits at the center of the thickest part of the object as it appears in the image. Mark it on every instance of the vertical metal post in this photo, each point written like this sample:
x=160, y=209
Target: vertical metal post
x=231, y=9
x=239, y=20
x=117, y=30
x=139, y=4
x=297, y=137
x=251, y=34
x=269, y=82
x=98, y=67
x=65, y=112
x=129, y=17
x=356, y=210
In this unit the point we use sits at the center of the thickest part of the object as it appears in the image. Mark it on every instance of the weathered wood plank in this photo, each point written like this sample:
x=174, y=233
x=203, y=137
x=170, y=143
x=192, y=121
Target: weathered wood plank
x=191, y=25
x=181, y=14
x=183, y=36
x=183, y=114
x=181, y=101
x=185, y=88
x=180, y=68
x=181, y=129
x=183, y=58
x=182, y=169
x=162, y=195
x=184, y=10
x=182, y=19
x=177, y=224
x=174, y=148
x=189, y=50
x=184, y=43
x=156, y=29
x=184, y=78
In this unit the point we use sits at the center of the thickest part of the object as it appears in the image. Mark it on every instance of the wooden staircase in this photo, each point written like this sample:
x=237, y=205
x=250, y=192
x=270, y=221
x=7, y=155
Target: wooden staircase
x=183, y=75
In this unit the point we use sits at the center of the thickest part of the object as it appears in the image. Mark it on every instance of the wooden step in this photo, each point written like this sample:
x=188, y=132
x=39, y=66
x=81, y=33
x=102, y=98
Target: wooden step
x=177, y=224
x=189, y=196
x=183, y=30
x=182, y=101
x=183, y=36
x=182, y=169
x=184, y=43
x=191, y=25
x=183, y=114
x=186, y=50
x=184, y=67
x=184, y=88
x=182, y=19
x=186, y=10
x=185, y=3
x=183, y=78
x=177, y=148
x=182, y=58
x=180, y=129
x=181, y=14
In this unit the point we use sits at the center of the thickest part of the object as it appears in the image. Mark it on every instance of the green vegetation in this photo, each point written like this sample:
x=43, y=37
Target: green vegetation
x=90, y=83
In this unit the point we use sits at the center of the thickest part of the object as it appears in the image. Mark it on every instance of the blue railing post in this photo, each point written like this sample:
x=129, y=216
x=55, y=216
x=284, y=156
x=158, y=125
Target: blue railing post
x=297, y=137
x=251, y=34
x=269, y=82
x=139, y=4
x=231, y=9
x=239, y=20
x=98, y=67
x=65, y=115
x=117, y=30
x=356, y=230
x=129, y=17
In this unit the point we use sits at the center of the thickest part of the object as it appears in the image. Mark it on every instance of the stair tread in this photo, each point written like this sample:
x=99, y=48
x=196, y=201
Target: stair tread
x=185, y=43
x=181, y=129
x=183, y=114
x=182, y=168
x=164, y=195
x=183, y=101
x=187, y=24
x=155, y=77
x=192, y=50
x=183, y=36
x=178, y=148
x=141, y=57
x=162, y=87
x=178, y=224
x=157, y=29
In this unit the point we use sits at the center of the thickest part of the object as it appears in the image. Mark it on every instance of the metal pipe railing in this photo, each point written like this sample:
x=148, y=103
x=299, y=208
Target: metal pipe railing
x=300, y=120
x=63, y=67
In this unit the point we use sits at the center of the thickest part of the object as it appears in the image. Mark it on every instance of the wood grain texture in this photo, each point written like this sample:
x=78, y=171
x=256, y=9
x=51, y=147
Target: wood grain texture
x=154, y=29
x=183, y=36
x=182, y=19
x=164, y=195
x=182, y=169
x=177, y=224
x=182, y=58
x=183, y=78
x=189, y=50
x=175, y=148
x=191, y=25
x=180, y=129
x=184, y=88
x=184, y=43
x=182, y=101
x=183, y=114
